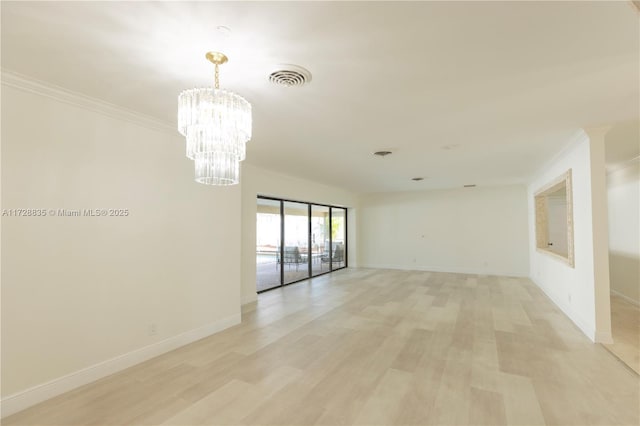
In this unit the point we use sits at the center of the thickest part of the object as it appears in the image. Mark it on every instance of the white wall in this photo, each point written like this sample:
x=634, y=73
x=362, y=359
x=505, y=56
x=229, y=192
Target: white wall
x=624, y=230
x=468, y=230
x=257, y=181
x=78, y=292
x=575, y=290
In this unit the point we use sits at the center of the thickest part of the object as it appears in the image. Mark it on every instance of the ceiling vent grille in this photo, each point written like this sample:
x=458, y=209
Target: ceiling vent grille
x=289, y=76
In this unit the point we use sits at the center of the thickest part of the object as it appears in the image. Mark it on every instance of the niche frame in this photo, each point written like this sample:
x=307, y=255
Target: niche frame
x=542, y=220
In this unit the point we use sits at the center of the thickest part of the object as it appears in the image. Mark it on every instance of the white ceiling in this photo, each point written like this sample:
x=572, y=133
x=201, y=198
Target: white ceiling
x=622, y=144
x=504, y=84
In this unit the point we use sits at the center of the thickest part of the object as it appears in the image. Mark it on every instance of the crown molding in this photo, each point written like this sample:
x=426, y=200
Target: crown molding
x=38, y=87
x=620, y=165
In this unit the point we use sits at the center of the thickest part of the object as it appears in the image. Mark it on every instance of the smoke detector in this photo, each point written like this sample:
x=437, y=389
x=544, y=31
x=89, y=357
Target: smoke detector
x=288, y=75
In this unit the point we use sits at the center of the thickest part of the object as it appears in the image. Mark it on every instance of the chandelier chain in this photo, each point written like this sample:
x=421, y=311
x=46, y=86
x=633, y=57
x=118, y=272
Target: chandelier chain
x=217, y=77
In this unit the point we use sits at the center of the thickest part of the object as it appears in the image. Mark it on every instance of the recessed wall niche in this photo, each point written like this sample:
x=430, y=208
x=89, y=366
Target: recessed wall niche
x=554, y=218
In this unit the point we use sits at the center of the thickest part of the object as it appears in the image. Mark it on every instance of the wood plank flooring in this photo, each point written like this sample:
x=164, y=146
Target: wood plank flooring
x=372, y=347
x=625, y=327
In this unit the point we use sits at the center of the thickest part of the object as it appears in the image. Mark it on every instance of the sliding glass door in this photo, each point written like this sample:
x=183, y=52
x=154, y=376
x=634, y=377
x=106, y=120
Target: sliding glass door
x=297, y=240
x=268, y=234
x=319, y=239
x=338, y=238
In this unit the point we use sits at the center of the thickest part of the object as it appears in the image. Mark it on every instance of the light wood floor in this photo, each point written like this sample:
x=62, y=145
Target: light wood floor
x=625, y=327
x=372, y=347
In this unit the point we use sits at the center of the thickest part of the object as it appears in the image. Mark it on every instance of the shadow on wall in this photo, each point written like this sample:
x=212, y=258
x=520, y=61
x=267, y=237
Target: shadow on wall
x=624, y=273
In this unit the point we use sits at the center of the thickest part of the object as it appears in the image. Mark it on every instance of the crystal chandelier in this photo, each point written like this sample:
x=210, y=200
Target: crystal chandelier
x=217, y=125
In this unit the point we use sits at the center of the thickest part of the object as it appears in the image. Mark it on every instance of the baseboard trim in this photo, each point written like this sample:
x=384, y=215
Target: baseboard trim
x=251, y=299
x=604, y=338
x=32, y=396
x=627, y=298
x=573, y=316
x=448, y=270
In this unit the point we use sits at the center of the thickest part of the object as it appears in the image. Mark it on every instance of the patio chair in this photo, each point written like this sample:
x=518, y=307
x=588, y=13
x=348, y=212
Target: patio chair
x=292, y=256
x=338, y=256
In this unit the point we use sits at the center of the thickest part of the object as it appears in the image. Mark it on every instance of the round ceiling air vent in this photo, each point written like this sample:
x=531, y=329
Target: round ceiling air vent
x=288, y=75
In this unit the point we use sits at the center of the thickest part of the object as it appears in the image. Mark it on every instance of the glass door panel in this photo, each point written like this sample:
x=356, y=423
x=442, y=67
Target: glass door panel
x=319, y=239
x=267, y=244
x=338, y=238
x=296, y=241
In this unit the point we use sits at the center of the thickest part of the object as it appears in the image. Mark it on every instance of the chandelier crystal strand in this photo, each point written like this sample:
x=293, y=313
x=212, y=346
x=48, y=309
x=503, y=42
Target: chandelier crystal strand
x=217, y=125
x=217, y=168
x=213, y=119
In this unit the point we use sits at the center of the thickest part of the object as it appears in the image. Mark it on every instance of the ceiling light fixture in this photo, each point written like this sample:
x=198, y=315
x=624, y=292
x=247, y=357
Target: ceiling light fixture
x=450, y=146
x=224, y=30
x=217, y=125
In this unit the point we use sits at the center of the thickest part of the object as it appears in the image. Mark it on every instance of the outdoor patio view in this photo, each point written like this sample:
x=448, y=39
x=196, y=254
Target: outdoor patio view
x=314, y=241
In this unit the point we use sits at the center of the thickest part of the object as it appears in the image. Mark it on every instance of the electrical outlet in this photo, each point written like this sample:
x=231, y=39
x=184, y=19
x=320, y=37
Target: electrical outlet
x=153, y=329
